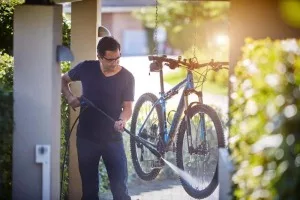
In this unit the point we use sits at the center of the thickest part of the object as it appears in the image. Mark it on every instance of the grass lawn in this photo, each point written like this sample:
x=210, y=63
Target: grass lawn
x=210, y=87
x=215, y=88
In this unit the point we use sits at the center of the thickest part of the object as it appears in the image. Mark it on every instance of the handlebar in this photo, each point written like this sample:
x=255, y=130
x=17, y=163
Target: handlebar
x=189, y=63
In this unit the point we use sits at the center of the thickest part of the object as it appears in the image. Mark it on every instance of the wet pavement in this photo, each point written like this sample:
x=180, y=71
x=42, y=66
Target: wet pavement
x=169, y=189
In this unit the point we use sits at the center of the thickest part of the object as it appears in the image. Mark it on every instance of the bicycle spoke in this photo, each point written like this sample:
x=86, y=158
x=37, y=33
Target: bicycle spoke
x=149, y=133
x=200, y=163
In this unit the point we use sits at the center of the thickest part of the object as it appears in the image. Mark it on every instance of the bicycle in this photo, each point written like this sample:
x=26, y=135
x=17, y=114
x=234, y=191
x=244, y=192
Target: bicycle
x=203, y=133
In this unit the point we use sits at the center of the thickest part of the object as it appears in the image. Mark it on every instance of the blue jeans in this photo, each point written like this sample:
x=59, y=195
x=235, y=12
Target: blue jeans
x=114, y=157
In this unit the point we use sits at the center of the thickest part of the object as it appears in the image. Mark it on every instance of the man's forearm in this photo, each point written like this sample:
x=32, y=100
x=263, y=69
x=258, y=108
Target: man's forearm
x=125, y=114
x=65, y=89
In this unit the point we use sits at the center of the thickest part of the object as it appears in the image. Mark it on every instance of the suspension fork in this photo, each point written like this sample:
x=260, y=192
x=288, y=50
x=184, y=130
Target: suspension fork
x=188, y=124
x=202, y=128
x=189, y=89
x=163, y=104
x=202, y=119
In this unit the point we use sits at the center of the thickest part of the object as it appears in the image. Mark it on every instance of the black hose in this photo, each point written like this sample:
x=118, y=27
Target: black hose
x=66, y=150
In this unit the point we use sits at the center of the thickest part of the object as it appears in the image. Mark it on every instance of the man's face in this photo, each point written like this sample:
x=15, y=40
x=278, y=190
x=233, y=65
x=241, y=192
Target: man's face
x=110, y=60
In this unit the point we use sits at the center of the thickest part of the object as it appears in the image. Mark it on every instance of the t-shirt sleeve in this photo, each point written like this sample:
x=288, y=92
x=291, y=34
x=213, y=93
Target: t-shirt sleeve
x=76, y=72
x=129, y=89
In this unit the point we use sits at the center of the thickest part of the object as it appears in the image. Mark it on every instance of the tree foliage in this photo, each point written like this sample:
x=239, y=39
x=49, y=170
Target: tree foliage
x=6, y=24
x=192, y=27
x=185, y=20
x=6, y=125
x=7, y=8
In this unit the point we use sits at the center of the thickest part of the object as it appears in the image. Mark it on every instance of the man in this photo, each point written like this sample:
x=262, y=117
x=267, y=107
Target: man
x=111, y=88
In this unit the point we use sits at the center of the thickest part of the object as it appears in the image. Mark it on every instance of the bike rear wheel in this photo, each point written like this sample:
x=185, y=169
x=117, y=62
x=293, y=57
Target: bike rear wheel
x=200, y=161
x=142, y=158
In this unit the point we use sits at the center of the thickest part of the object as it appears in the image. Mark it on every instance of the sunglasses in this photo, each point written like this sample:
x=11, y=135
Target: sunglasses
x=111, y=59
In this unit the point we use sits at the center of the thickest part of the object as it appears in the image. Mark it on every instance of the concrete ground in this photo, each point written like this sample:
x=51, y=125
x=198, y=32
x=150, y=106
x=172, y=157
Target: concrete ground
x=159, y=190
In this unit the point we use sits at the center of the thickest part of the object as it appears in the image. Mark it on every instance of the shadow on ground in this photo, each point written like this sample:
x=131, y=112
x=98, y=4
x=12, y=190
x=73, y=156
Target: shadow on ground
x=168, y=189
x=138, y=187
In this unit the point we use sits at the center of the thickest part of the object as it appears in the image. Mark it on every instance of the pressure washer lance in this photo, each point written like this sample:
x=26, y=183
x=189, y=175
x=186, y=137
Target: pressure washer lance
x=84, y=100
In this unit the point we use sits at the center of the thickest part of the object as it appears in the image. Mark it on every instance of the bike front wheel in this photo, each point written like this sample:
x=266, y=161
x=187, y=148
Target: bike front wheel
x=197, y=154
x=142, y=158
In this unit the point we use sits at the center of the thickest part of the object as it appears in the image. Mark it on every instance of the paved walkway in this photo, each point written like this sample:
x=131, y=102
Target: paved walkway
x=159, y=190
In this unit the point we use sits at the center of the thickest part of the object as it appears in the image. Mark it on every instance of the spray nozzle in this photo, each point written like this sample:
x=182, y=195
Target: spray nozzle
x=83, y=103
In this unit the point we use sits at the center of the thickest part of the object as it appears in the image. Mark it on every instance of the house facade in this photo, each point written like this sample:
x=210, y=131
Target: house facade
x=128, y=30
x=117, y=17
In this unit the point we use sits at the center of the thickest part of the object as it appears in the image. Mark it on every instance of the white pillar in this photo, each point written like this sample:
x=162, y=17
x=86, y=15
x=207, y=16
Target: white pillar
x=225, y=171
x=37, y=32
x=85, y=19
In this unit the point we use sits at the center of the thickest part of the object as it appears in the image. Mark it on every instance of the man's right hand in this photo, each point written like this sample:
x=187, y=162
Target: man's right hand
x=73, y=102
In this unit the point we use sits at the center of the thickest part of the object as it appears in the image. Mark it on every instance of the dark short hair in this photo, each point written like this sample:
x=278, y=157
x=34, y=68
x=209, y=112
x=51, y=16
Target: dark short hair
x=107, y=43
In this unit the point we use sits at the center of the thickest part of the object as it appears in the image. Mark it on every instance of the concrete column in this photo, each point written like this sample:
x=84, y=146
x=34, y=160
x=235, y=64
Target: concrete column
x=85, y=19
x=37, y=32
x=225, y=171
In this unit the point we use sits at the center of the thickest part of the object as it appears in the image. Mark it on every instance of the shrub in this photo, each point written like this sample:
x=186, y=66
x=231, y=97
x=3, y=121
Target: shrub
x=6, y=71
x=264, y=134
x=6, y=127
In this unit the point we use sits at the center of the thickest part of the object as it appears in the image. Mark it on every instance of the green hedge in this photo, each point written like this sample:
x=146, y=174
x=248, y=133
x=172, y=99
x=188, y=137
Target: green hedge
x=65, y=127
x=6, y=126
x=6, y=71
x=265, y=117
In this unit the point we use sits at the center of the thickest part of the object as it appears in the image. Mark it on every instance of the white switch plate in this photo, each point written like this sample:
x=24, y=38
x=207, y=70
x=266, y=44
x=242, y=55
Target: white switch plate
x=43, y=156
x=42, y=153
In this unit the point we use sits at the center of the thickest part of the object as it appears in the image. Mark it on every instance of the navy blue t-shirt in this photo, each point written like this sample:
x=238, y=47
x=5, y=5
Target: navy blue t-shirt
x=107, y=93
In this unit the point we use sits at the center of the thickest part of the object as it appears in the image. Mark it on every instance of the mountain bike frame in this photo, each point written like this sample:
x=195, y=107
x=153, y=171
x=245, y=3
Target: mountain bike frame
x=188, y=85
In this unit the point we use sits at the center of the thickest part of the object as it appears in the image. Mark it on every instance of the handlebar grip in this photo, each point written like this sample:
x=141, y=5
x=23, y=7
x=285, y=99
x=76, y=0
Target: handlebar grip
x=223, y=63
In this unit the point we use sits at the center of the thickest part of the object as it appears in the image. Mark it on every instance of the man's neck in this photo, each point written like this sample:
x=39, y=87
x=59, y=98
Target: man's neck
x=110, y=72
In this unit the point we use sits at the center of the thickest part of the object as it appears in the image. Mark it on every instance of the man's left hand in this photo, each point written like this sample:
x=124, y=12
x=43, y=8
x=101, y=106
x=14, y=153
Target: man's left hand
x=119, y=125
